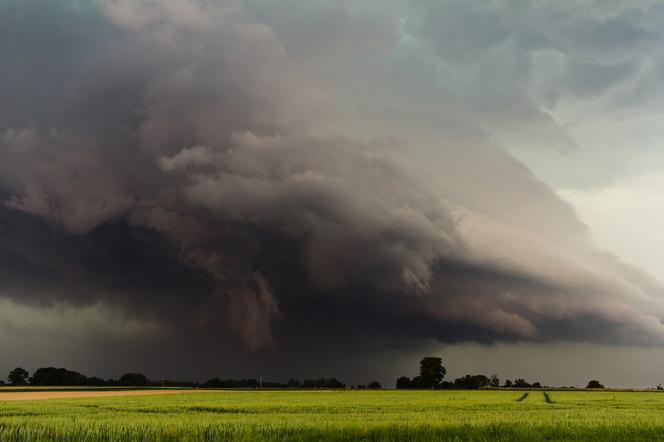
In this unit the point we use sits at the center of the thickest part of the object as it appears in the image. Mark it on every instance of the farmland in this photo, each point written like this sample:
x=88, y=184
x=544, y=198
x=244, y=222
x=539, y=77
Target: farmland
x=339, y=415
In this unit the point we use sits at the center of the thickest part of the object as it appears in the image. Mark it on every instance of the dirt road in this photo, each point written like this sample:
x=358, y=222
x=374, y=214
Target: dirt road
x=54, y=394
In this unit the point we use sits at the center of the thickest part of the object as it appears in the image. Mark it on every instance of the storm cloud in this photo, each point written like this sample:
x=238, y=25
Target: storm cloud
x=258, y=177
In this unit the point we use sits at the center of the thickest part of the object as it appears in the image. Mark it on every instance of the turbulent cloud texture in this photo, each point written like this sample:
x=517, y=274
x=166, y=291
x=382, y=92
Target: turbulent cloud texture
x=259, y=176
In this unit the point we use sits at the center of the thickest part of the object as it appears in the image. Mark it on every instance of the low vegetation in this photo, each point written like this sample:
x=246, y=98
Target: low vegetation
x=338, y=415
x=432, y=373
x=431, y=376
x=51, y=377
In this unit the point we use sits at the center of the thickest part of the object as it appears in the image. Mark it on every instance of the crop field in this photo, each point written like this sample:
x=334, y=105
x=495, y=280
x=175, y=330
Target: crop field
x=339, y=415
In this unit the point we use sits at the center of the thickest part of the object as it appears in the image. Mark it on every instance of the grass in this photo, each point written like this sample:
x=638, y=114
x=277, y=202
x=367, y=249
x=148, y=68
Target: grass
x=247, y=415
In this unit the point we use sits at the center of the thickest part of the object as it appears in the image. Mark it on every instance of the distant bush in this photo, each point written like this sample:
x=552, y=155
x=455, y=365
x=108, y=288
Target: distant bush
x=404, y=382
x=18, y=376
x=231, y=383
x=323, y=383
x=96, y=382
x=167, y=383
x=472, y=382
x=51, y=376
x=133, y=380
x=594, y=384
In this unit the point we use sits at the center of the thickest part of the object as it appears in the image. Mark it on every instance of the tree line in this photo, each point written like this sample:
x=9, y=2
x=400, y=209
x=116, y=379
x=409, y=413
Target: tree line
x=432, y=373
x=51, y=376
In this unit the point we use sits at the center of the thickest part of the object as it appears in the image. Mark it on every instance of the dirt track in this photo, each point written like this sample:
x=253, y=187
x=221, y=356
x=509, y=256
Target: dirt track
x=37, y=395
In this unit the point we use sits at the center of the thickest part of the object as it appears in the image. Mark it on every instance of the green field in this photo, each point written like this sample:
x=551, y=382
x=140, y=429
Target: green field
x=340, y=415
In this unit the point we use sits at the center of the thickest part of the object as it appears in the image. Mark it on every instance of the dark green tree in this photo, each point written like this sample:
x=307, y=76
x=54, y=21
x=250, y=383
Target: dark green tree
x=133, y=380
x=404, y=382
x=374, y=385
x=521, y=383
x=57, y=376
x=594, y=384
x=323, y=383
x=432, y=372
x=18, y=376
x=472, y=381
x=293, y=383
x=495, y=381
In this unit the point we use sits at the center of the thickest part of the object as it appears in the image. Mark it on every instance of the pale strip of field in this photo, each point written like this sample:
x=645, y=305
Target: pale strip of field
x=37, y=395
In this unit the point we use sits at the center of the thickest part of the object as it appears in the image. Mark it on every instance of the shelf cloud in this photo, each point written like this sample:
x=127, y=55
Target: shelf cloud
x=254, y=176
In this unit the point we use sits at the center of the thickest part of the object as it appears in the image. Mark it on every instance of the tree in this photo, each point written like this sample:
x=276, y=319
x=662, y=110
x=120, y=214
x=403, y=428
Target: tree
x=594, y=384
x=323, y=383
x=472, y=381
x=18, y=376
x=133, y=379
x=508, y=384
x=404, y=382
x=495, y=382
x=293, y=383
x=57, y=376
x=375, y=385
x=96, y=382
x=431, y=372
x=521, y=383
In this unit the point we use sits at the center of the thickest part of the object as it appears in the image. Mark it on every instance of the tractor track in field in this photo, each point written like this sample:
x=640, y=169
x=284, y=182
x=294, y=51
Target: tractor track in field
x=522, y=397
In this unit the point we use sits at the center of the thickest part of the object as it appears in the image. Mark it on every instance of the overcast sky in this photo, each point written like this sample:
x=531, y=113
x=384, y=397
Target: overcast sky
x=198, y=188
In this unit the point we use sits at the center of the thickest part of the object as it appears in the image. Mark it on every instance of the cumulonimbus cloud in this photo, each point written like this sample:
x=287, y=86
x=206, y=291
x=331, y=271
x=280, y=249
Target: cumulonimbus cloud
x=195, y=133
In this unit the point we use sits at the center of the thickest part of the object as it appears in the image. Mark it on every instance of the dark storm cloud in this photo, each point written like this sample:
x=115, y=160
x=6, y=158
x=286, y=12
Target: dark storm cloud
x=172, y=159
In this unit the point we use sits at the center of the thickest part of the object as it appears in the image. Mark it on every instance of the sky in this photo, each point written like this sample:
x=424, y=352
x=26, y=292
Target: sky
x=244, y=188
